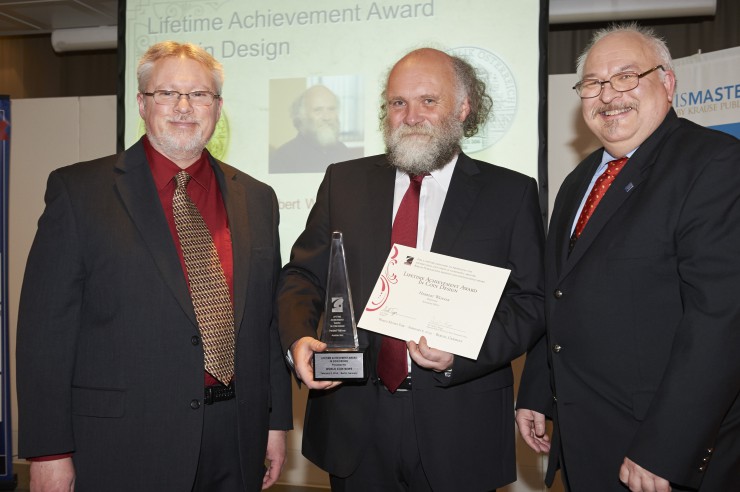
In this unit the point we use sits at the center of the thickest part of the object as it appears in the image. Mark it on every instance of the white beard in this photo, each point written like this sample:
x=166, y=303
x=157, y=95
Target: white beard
x=423, y=148
x=325, y=134
x=180, y=145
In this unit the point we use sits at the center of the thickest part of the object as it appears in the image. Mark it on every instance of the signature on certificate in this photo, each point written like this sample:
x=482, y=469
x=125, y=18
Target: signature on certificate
x=388, y=311
x=391, y=312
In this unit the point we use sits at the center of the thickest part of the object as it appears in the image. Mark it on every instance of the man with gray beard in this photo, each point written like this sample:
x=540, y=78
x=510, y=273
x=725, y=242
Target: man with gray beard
x=147, y=354
x=446, y=424
x=315, y=114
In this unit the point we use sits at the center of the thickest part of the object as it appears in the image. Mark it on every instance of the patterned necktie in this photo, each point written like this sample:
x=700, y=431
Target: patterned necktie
x=602, y=184
x=208, y=288
x=392, y=364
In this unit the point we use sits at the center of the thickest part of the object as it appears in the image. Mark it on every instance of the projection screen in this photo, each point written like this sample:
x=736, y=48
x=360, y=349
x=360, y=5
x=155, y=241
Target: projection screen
x=274, y=50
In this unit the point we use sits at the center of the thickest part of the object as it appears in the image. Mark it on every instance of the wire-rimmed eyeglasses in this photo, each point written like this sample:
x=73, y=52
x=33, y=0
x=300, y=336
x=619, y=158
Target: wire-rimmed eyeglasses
x=196, y=98
x=620, y=82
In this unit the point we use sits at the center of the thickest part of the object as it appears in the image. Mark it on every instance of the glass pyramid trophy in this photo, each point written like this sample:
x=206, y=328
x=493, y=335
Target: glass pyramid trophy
x=342, y=359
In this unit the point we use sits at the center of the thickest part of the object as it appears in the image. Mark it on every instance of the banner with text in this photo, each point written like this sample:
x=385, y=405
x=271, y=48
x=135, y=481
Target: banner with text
x=708, y=89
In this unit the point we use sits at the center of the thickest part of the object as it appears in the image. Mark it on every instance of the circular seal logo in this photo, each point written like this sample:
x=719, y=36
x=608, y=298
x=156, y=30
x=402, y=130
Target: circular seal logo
x=501, y=86
x=218, y=145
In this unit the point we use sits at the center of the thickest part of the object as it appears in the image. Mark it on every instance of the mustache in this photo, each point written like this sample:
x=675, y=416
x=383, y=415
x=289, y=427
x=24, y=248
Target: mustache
x=405, y=130
x=596, y=111
x=181, y=118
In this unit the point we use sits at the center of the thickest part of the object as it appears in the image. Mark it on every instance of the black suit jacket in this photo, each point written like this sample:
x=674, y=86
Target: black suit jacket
x=109, y=363
x=464, y=422
x=643, y=317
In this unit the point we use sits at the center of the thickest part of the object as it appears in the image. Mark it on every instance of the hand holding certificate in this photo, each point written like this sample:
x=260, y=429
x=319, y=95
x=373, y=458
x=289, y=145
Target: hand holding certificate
x=447, y=300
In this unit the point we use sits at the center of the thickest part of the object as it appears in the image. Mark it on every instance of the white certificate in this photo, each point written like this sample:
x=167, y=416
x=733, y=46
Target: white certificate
x=448, y=300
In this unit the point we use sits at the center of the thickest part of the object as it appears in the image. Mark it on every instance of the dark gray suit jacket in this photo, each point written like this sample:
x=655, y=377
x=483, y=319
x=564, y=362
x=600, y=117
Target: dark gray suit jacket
x=109, y=365
x=643, y=317
x=464, y=422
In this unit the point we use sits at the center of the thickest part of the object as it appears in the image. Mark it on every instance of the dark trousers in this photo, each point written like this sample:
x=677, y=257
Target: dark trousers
x=218, y=466
x=391, y=462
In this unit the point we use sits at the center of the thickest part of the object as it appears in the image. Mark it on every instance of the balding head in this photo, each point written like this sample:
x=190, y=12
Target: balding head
x=465, y=82
x=430, y=102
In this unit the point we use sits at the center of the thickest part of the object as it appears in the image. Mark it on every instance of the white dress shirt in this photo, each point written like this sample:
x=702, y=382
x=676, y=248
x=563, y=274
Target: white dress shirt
x=431, y=199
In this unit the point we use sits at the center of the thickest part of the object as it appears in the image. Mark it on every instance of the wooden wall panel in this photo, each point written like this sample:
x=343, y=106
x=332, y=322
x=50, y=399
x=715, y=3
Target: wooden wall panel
x=29, y=68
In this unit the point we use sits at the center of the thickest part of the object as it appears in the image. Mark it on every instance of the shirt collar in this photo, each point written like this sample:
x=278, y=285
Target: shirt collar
x=607, y=157
x=164, y=170
x=443, y=176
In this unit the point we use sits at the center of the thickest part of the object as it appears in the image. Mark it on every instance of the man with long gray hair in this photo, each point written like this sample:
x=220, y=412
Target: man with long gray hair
x=424, y=420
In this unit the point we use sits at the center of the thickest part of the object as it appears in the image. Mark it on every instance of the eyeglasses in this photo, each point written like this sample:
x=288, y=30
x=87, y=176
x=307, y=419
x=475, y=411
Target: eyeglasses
x=196, y=98
x=620, y=82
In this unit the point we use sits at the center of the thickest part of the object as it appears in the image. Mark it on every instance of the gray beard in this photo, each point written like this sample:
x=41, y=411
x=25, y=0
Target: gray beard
x=325, y=135
x=177, y=148
x=423, y=148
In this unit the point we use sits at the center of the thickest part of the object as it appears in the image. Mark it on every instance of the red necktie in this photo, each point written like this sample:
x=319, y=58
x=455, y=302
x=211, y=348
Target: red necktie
x=602, y=184
x=392, y=364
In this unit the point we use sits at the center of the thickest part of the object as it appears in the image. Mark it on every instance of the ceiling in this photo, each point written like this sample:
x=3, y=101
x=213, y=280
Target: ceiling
x=25, y=17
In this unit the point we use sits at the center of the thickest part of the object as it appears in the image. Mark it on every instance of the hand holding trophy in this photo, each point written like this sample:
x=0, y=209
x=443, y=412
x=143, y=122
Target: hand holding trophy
x=342, y=360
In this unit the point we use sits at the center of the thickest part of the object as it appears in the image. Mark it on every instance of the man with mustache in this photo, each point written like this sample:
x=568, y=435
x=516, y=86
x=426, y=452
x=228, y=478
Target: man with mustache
x=447, y=425
x=315, y=115
x=639, y=369
x=147, y=355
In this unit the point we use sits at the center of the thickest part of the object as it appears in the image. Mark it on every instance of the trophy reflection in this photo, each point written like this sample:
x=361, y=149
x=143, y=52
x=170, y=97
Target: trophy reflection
x=342, y=360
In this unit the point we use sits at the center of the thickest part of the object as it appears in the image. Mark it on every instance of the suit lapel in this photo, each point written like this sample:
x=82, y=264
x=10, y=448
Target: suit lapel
x=136, y=188
x=629, y=179
x=562, y=222
x=379, y=185
x=564, y=215
x=623, y=186
x=235, y=201
x=461, y=196
x=377, y=215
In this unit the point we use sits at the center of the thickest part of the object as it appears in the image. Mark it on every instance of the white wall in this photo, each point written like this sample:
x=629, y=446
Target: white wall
x=45, y=134
x=568, y=138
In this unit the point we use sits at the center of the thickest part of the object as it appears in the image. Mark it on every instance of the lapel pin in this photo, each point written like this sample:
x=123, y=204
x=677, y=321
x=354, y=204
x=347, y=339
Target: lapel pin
x=629, y=187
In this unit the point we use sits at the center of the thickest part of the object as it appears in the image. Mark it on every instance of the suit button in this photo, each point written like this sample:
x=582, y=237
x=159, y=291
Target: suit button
x=554, y=398
x=710, y=450
x=195, y=340
x=194, y=404
x=558, y=293
x=702, y=468
x=557, y=348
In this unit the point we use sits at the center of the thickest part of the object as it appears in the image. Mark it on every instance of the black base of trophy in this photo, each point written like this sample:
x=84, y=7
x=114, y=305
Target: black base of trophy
x=339, y=366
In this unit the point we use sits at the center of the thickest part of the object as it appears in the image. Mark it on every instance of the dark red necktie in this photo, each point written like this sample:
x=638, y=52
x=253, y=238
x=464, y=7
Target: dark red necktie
x=602, y=184
x=392, y=363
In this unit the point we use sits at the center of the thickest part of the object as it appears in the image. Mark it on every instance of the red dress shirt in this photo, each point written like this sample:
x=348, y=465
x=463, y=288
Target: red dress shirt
x=206, y=195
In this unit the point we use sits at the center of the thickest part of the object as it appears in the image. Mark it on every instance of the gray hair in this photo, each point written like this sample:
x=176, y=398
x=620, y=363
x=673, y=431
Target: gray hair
x=468, y=85
x=656, y=43
x=167, y=49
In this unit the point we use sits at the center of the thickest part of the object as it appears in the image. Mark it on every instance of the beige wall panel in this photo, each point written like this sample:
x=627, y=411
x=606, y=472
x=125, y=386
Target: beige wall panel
x=45, y=134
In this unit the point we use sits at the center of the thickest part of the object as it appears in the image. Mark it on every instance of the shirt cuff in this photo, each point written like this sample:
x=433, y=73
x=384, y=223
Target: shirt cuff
x=51, y=457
